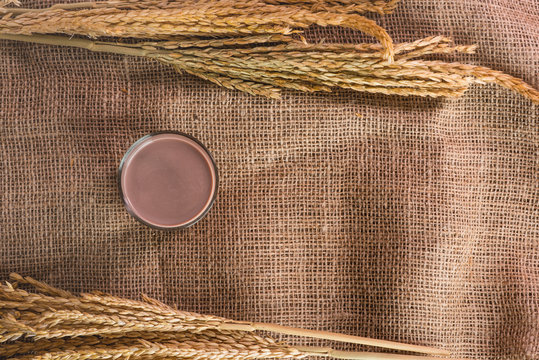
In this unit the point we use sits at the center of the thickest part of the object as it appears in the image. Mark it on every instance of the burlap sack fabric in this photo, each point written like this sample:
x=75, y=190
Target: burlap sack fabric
x=407, y=219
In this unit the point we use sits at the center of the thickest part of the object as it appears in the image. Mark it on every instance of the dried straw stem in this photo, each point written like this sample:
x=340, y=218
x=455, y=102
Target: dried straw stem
x=367, y=84
x=338, y=6
x=180, y=350
x=336, y=354
x=118, y=4
x=429, y=45
x=260, y=78
x=487, y=75
x=68, y=322
x=248, y=87
x=260, y=70
x=219, y=18
x=475, y=74
x=317, y=72
x=211, y=43
x=69, y=344
x=342, y=6
x=34, y=306
x=246, y=339
x=284, y=79
x=202, y=349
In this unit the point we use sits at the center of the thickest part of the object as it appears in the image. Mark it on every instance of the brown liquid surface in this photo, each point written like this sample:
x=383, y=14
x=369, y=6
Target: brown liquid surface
x=168, y=180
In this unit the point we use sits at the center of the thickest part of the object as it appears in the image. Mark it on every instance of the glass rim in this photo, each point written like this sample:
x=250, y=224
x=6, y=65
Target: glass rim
x=212, y=163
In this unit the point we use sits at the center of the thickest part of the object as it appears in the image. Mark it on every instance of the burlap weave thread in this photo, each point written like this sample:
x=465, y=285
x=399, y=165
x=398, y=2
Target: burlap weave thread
x=408, y=219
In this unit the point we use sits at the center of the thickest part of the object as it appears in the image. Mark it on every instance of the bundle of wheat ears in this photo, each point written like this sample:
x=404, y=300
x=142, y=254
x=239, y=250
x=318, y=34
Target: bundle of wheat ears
x=256, y=46
x=53, y=324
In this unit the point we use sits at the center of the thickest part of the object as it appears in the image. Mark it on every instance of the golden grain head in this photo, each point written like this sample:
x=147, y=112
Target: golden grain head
x=252, y=47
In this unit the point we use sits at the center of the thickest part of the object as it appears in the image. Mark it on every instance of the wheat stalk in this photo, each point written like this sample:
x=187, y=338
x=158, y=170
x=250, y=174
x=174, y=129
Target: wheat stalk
x=340, y=6
x=254, y=52
x=261, y=70
x=343, y=6
x=246, y=339
x=143, y=349
x=270, y=90
x=202, y=349
x=212, y=43
x=311, y=71
x=55, y=314
x=221, y=17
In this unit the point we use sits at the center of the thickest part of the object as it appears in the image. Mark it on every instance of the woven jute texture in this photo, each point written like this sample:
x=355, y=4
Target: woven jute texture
x=407, y=219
